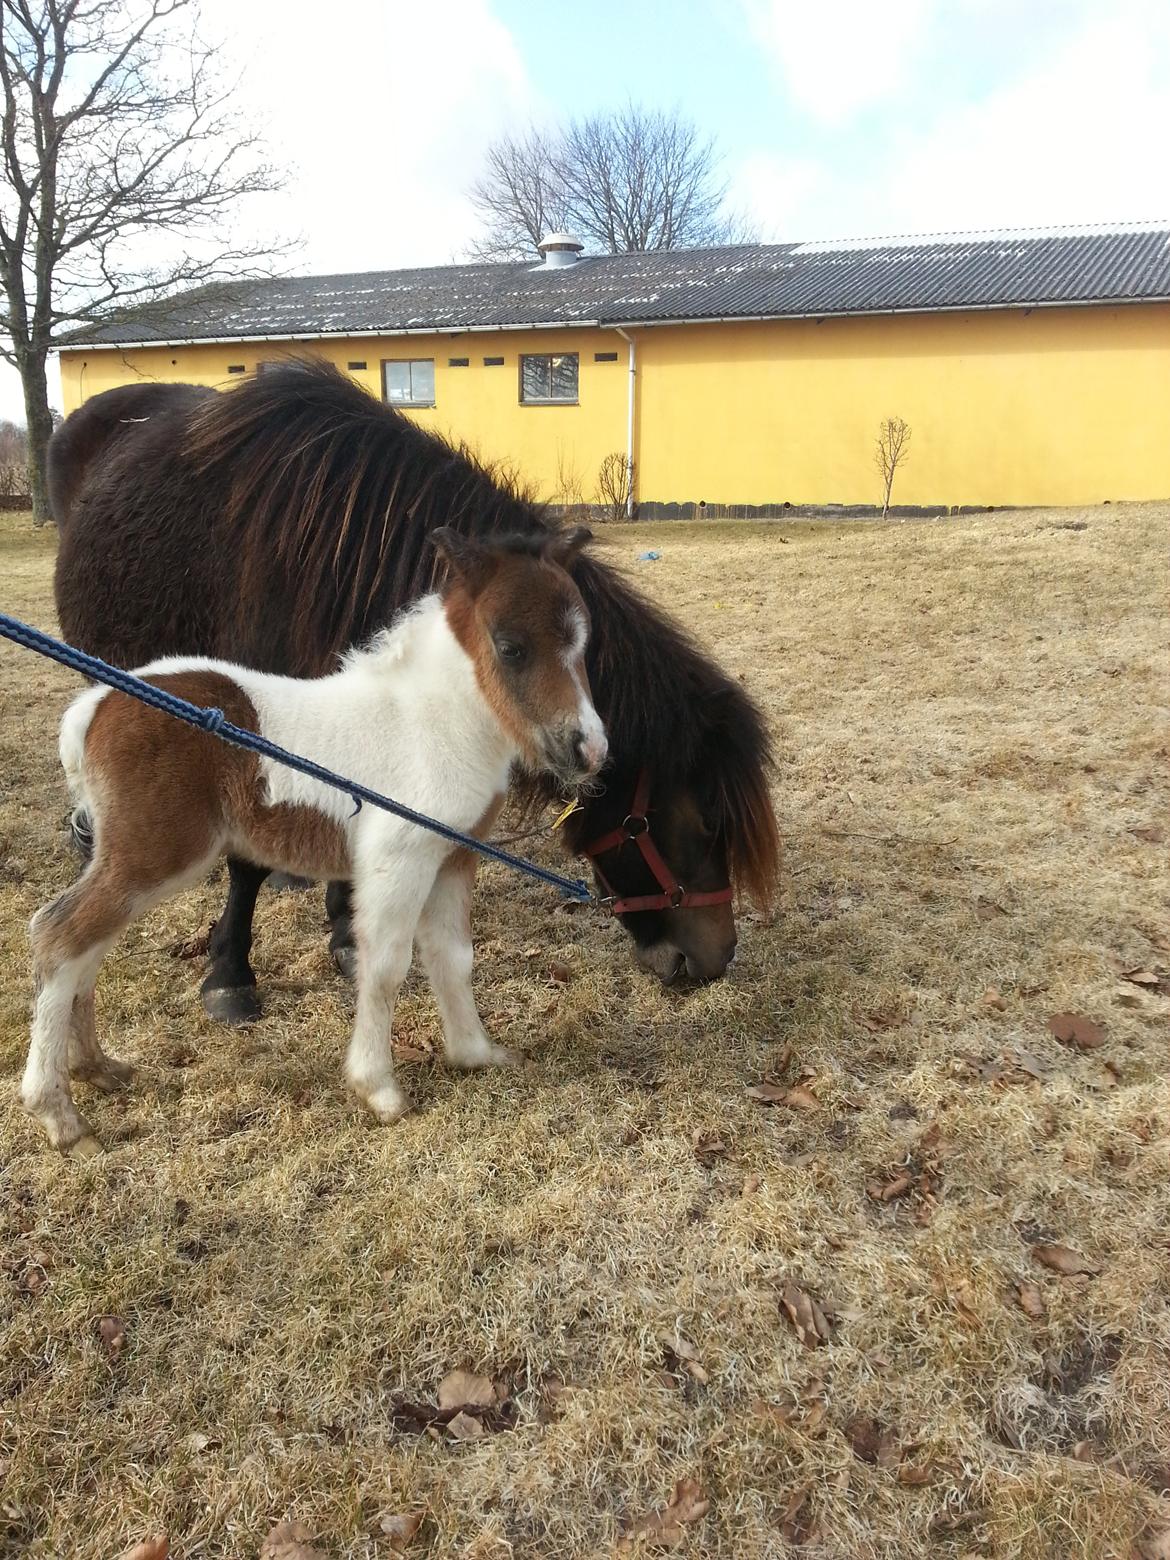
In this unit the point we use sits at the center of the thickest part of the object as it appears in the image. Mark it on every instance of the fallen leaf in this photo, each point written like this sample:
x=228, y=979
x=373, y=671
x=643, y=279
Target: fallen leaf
x=872, y=1442
x=410, y=1053
x=1151, y=833
x=559, y=974
x=1149, y=980
x=987, y=909
x=289, y=1541
x=666, y=1529
x=1028, y=1062
x=149, y=1549
x=993, y=998
x=401, y=1529
x=465, y=1427
x=112, y=1332
x=796, y=1525
x=800, y=1098
x=854, y=1101
x=963, y=1298
x=886, y=1192
x=910, y=1473
x=1031, y=1301
x=708, y=1146
x=812, y=1327
x=751, y=1183
x=461, y=1389
x=686, y=1355
x=767, y=1093
x=1077, y=1030
x=1064, y=1260
x=879, y=1019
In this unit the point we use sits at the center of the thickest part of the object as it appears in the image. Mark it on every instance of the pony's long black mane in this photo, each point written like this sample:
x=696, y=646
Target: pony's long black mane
x=343, y=491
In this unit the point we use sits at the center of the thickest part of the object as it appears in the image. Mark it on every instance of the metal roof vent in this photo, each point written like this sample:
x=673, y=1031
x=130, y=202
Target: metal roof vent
x=560, y=249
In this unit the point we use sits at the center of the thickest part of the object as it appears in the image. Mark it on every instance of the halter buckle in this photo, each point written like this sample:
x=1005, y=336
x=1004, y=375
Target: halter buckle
x=677, y=895
x=635, y=824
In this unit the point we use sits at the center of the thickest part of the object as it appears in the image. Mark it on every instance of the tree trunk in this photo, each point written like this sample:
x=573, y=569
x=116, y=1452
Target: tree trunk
x=40, y=429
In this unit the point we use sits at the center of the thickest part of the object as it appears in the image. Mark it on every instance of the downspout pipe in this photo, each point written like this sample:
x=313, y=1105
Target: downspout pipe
x=630, y=421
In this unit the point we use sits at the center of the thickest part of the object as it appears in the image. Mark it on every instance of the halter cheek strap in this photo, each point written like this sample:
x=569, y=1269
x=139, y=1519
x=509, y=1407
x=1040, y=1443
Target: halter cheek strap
x=636, y=827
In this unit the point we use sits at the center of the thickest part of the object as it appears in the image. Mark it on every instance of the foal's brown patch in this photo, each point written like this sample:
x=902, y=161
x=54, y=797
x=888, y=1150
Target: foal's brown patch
x=166, y=791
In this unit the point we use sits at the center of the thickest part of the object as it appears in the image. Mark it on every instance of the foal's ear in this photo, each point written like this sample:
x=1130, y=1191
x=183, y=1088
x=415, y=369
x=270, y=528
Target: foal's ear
x=468, y=559
x=565, y=545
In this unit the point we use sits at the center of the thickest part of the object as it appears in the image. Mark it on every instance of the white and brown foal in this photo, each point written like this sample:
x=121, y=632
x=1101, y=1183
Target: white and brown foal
x=434, y=712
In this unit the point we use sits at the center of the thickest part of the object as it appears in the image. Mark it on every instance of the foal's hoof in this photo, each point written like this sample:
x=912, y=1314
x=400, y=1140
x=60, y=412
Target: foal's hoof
x=107, y=1075
x=232, y=1004
x=388, y=1103
x=86, y=1147
x=345, y=958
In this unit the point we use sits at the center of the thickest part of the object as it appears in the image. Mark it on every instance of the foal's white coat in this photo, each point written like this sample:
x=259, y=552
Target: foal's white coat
x=407, y=716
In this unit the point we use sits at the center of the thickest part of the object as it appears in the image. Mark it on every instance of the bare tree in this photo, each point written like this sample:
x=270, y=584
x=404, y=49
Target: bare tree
x=890, y=453
x=122, y=158
x=632, y=180
x=615, y=483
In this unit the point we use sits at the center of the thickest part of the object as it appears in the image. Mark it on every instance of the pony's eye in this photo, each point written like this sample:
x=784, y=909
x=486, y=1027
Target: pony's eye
x=509, y=651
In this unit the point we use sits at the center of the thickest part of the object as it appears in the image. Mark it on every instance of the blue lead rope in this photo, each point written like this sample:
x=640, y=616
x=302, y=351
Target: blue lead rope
x=217, y=723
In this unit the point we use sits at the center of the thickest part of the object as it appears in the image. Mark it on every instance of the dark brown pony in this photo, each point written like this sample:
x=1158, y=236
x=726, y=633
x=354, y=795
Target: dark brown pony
x=281, y=523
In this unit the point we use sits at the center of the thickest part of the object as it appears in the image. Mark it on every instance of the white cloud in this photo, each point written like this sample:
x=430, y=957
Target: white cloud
x=383, y=116
x=1078, y=138
x=837, y=58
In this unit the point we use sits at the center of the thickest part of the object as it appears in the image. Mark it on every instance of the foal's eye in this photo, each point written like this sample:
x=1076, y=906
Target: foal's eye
x=510, y=651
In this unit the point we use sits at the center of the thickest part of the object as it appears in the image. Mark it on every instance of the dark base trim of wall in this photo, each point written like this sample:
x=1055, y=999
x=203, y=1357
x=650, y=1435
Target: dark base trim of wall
x=13, y=501
x=655, y=510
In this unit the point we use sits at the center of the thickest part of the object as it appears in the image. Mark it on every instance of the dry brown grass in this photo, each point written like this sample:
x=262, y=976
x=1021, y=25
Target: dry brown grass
x=972, y=721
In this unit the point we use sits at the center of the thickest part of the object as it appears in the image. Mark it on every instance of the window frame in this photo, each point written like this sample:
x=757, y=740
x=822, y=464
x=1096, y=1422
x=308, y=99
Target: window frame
x=388, y=400
x=550, y=400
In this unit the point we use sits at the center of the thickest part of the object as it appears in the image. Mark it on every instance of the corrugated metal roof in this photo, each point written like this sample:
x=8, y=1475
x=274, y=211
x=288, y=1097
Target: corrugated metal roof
x=958, y=271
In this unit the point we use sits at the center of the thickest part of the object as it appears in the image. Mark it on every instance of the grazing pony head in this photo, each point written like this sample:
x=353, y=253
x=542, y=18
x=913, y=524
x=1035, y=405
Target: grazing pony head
x=520, y=618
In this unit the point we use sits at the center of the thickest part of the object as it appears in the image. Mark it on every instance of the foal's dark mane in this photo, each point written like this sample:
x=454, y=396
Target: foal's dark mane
x=344, y=490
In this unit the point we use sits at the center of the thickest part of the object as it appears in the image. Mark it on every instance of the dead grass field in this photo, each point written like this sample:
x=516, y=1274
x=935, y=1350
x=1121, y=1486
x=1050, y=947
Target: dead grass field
x=972, y=718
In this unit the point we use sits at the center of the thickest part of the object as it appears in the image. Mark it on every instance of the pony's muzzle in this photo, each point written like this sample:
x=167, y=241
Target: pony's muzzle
x=575, y=755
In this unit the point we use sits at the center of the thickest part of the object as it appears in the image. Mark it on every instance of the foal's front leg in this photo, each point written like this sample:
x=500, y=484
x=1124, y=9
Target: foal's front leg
x=387, y=905
x=444, y=941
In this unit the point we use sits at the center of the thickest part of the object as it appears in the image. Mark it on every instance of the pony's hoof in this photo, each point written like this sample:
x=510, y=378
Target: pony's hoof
x=107, y=1075
x=86, y=1147
x=232, y=1004
x=345, y=958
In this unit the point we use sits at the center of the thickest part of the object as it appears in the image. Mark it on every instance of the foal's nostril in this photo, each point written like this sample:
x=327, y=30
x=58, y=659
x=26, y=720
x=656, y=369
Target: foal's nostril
x=590, y=752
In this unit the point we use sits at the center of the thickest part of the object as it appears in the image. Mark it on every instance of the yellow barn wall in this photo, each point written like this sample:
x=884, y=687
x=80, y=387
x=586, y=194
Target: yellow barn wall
x=553, y=448
x=1051, y=406
x=1055, y=406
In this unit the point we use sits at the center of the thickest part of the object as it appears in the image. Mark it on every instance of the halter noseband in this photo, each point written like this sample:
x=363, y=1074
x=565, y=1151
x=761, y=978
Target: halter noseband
x=636, y=827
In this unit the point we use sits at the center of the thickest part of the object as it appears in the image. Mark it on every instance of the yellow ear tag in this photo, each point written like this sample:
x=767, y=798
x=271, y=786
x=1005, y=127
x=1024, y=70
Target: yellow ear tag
x=574, y=806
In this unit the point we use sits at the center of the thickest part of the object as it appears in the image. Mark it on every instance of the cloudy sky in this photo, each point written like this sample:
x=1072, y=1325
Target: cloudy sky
x=840, y=118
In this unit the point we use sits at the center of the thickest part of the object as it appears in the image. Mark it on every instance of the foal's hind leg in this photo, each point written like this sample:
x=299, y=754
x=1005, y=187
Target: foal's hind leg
x=339, y=908
x=229, y=987
x=87, y=1061
x=70, y=937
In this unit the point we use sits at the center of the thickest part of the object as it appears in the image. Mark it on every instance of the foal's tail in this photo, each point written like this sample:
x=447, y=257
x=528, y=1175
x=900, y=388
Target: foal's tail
x=74, y=727
x=81, y=833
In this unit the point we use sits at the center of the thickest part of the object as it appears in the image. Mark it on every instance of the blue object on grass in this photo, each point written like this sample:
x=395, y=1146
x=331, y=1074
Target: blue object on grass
x=649, y=557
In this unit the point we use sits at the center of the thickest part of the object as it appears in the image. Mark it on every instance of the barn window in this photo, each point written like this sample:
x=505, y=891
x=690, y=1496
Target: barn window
x=353, y=367
x=235, y=368
x=493, y=362
x=548, y=377
x=409, y=381
x=458, y=362
x=605, y=357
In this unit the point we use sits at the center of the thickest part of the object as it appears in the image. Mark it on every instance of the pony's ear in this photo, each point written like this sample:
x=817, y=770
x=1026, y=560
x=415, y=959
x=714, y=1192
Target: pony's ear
x=468, y=559
x=565, y=545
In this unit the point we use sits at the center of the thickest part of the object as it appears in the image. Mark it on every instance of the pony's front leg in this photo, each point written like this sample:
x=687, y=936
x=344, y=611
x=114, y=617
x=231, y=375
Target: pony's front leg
x=387, y=905
x=444, y=941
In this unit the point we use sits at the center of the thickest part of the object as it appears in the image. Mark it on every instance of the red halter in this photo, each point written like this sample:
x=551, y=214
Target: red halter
x=636, y=826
